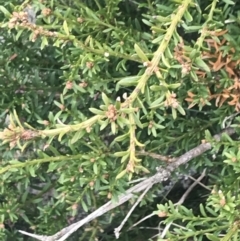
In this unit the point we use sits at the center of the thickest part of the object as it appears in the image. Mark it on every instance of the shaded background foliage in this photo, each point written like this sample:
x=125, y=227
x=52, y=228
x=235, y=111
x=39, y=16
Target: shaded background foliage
x=60, y=77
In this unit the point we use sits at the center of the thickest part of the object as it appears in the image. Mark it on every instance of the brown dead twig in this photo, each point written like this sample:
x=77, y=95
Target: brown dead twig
x=157, y=156
x=162, y=175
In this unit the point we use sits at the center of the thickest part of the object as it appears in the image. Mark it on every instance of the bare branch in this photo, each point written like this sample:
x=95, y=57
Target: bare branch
x=182, y=199
x=143, y=219
x=38, y=237
x=197, y=151
x=162, y=175
x=201, y=184
x=118, y=229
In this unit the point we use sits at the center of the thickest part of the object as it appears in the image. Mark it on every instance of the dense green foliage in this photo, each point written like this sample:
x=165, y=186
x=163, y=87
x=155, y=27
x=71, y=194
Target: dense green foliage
x=92, y=90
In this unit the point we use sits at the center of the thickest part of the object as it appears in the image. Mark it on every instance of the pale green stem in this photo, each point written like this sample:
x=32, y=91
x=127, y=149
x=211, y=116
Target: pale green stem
x=153, y=65
x=71, y=128
x=39, y=161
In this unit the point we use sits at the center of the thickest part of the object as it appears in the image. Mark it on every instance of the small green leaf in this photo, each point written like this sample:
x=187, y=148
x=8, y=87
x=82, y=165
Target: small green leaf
x=5, y=11
x=168, y=53
x=118, y=104
x=24, y=196
x=140, y=53
x=37, y=200
x=122, y=137
x=212, y=237
x=104, y=124
x=212, y=212
x=188, y=16
x=181, y=110
x=158, y=88
x=229, y=2
x=44, y=42
x=158, y=39
x=96, y=111
x=121, y=153
x=127, y=110
x=91, y=14
x=200, y=63
x=227, y=208
x=124, y=158
x=95, y=168
x=162, y=19
x=138, y=143
x=105, y=99
x=19, y=33
x=113, y=127
x=174, y=113
x=147, y=22
x=57, y=43
x=121, y=174
x=107, y=30
x=137, y=121
x=174, y=86
x=208, y=134
x=154, y=132
x=52, y=166
x=144, y=169
x=61, y=135
x=65, y=27
x=128, y=81
x=78, y=135
x=157, y=101
x=84, y=206
x=121, y=122
x=202, y=210
x=158, y=126
x=32, y=171
x=165, y=61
